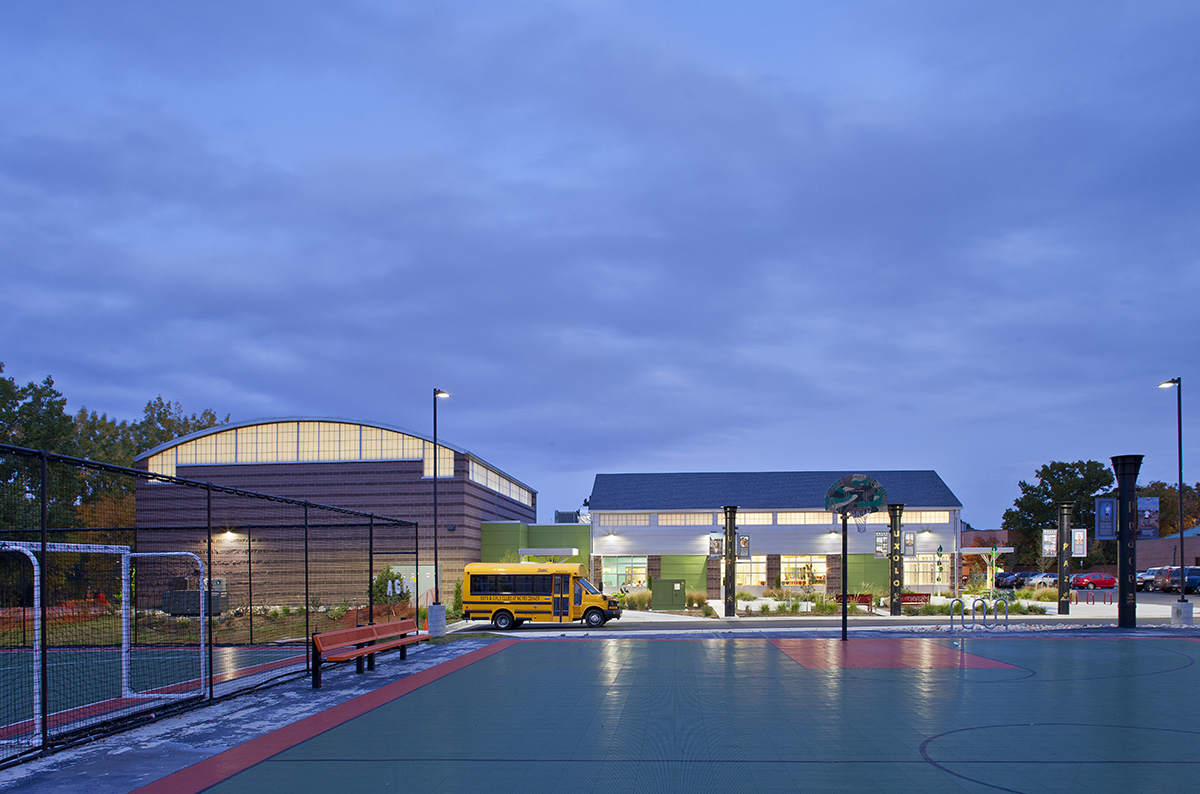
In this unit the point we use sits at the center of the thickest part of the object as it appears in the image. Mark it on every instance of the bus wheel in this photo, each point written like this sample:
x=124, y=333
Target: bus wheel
x=594, y=618
x=502, y=620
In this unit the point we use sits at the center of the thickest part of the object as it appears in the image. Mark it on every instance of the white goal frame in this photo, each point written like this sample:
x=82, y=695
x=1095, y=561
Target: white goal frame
x=30, y=550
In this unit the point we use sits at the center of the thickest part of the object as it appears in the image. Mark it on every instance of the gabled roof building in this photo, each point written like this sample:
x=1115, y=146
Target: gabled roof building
x=653, y=526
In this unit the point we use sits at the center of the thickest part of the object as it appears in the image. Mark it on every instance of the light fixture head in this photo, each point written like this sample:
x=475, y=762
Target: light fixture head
x=1166, y=384
x=440, y=393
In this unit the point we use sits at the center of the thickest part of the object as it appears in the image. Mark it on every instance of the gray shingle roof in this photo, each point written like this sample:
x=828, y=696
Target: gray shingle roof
x=768, y=490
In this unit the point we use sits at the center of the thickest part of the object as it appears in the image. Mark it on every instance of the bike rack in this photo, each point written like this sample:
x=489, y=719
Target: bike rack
x=1091, y=597
x=963, y=614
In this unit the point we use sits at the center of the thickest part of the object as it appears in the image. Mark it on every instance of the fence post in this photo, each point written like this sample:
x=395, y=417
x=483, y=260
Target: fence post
x=211, y=635
x=307, y=596
x=45, y=588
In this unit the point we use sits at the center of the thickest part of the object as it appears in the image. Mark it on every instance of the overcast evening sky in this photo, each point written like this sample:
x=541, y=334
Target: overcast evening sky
x=626, y=236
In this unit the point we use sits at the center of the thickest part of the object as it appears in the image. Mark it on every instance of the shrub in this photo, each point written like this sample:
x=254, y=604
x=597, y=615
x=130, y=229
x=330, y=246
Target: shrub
x=782, y=607
x=708, y=611
x=742, y=595
x=697, y=598
x=285, y=609
x=638, y=601
x=775, y=592
x=764, y=608
x=456, y=607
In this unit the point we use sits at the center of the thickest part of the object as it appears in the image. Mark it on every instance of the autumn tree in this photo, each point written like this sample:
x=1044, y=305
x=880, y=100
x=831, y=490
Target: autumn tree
x=1037, y=506
x=1168, y=505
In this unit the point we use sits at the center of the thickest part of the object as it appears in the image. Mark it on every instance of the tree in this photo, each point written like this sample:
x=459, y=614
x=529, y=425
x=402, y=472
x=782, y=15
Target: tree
x=1168, y=505
x=1037, y=506
x=34, y=416
x=163, y=421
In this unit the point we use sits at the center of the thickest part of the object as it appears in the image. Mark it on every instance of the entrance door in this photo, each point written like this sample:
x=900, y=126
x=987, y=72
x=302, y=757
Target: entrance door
x=562, y=597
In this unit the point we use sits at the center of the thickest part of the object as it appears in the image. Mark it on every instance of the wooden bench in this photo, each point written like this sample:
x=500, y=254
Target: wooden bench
x=362, y=642
x=914, y=598
x=862, y=599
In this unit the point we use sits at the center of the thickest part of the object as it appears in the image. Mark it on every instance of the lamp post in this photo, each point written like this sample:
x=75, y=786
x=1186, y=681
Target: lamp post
x=1178, y=384
x=438, y=394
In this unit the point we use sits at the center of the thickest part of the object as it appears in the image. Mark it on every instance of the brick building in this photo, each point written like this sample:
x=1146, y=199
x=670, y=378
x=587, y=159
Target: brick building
x=369, y=467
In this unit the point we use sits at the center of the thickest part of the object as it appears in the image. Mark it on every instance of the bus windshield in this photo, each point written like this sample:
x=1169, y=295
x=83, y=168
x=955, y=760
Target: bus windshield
x=588, y=586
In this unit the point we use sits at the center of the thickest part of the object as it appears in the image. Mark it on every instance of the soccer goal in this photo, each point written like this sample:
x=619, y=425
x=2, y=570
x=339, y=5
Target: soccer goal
x=97, y=656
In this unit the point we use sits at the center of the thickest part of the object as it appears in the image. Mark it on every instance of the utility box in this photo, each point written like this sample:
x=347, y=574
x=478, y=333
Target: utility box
x=668, y=594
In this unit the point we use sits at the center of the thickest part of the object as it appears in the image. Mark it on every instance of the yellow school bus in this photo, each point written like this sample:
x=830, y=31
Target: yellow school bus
x=508, y=594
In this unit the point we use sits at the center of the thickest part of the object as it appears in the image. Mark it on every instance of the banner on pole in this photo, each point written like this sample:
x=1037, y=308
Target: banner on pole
x=1049, y=542
x=1147, y=517
x=1106, y=518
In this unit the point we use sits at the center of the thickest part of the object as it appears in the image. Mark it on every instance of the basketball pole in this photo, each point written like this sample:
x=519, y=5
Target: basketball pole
x=845, y=597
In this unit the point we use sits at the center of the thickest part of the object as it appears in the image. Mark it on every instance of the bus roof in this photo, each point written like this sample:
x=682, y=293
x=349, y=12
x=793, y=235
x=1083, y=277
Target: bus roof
x=526, y=567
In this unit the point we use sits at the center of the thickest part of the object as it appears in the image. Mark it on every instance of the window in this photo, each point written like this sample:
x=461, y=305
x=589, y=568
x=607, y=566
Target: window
x=685, y=519
x=623, y=519
x=492, y=480
x=813, y=517
x=510, y=584
x=926, y=517
x=922, y=570
x=803, y=570
x=750, y=573
x=746, y=519
x=624, y=572
x=289, y=442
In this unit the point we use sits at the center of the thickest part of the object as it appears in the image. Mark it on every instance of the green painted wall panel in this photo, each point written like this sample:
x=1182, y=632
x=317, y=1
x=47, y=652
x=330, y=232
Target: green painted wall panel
x=499, y=538
x=866, y=568
x=691, y=567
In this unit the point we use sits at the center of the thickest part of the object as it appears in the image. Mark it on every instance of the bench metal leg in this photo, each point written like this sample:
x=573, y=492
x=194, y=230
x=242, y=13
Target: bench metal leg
x=316, y=666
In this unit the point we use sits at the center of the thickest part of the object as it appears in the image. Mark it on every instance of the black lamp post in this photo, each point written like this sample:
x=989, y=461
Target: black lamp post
x=1178, y=384
x=438, y=394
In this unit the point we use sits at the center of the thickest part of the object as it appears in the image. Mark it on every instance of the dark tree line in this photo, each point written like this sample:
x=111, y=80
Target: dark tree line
x=35, y=416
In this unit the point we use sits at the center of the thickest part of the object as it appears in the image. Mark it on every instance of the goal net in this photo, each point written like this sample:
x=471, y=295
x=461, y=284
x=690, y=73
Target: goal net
x=121, y=634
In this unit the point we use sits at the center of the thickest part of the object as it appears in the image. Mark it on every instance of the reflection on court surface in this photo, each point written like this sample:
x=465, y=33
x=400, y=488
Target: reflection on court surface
x=883, y=714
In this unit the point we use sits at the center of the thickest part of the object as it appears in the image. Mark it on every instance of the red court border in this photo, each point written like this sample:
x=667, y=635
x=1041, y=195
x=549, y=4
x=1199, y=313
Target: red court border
x=211, y=771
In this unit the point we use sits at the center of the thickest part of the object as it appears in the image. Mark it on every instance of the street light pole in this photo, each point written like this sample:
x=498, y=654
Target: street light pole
x=438, y=394
x=1178, y=384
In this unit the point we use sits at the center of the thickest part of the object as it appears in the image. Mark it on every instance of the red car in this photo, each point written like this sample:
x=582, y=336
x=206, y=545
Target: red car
x=1091, y=581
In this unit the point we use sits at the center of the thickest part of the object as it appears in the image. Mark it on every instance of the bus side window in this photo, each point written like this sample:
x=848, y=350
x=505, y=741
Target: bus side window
x=541, y=584
x=578, y=593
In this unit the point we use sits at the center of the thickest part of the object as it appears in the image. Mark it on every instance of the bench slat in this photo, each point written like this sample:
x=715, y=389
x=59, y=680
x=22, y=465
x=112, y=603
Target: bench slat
x=342, y=645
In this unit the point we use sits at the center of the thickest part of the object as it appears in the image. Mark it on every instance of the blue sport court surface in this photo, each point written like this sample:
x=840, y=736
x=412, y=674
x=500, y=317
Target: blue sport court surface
x=748, y=714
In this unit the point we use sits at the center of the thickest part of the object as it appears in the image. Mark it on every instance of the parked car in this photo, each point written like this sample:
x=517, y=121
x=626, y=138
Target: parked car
x=1005, y=579
x=1091, y=581
x=1044, y=580
x=1022, y=578
x=1145, y=579
x=1167, y=579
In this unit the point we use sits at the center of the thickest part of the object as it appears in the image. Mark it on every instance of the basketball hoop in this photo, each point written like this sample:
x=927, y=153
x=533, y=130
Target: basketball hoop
x=859, y=515
x=856, y=496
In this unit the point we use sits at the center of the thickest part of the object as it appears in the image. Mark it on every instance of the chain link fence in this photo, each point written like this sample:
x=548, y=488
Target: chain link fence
x=126, y=595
